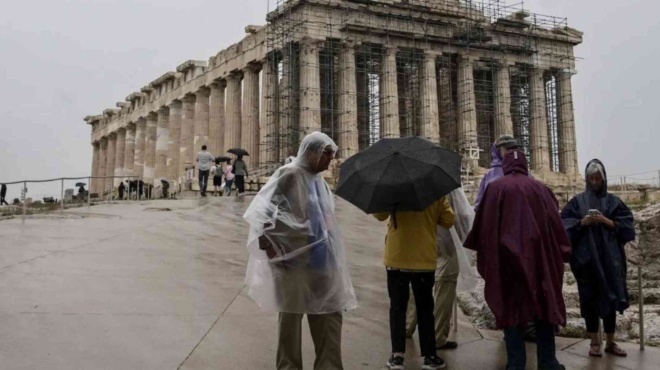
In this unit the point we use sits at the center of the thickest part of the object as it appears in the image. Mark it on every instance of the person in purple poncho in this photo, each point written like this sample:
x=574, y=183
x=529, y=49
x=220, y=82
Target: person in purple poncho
x=499, y=150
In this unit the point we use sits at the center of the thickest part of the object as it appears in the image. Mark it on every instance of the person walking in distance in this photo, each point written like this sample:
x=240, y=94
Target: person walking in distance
x=241, y=171
x=228, y=171
x=216, y=174
x=3, y=194
x=297, y=264
x=204, y=162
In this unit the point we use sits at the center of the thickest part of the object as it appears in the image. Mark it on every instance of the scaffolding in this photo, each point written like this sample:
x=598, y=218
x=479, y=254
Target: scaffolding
x=467, y=110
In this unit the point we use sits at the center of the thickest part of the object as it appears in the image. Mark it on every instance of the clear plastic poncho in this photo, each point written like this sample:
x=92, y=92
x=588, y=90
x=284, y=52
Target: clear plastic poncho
x=297, y=260
x=454, y=261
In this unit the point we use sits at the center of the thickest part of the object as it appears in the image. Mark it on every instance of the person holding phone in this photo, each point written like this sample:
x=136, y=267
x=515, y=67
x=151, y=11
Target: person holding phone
x=599, y=225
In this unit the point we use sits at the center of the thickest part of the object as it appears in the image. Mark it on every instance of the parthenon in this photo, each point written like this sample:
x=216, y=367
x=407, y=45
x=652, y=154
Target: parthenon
x=459, y=73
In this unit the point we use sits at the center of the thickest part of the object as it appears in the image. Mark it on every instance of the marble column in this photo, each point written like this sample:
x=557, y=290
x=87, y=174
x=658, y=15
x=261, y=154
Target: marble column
x=269, y=113
x=174, y=171
x=129, y=155
x=310, y=87
x=120, y=152
x=286, y=98
x=95, y=166
x=347, y=102
x=150, y=148
x=140, y=138
x=103, y=161
x=467, y=111
x=429, y=90
x=389, y=95
x=503, y=122
x=187, y=132
x=568, y=160
x=539, y=145
x=250, y=115
x=233, y=112
x=201, y=130
x=110, y=163
x=162, y=145
x=217, y=118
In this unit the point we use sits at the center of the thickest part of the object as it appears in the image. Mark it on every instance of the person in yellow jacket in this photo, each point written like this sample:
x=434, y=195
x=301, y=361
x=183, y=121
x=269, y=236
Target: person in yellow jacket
x=410, y=259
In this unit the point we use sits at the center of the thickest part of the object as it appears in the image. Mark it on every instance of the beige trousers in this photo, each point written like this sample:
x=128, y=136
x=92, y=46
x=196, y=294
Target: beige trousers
x=326, y=334
x=444, y=294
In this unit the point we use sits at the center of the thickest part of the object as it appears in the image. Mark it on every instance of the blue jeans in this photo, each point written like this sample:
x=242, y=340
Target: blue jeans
x=228, y=184
x=545, y=347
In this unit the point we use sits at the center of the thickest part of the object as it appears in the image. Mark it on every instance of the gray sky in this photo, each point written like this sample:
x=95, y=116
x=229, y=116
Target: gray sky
x=63, y=60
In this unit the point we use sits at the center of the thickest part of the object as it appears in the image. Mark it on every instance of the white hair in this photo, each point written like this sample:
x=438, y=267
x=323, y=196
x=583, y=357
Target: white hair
x=594, y=167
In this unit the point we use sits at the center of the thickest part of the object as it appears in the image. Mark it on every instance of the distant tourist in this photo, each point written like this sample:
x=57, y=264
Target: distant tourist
x=501, y=147
x=204, y=162
x=297, y=262
x=216, y=174
x=3, y=194
x=121, y=190
x=228, y=170
x=521, y=249
x=599, y=225
x=241, y=171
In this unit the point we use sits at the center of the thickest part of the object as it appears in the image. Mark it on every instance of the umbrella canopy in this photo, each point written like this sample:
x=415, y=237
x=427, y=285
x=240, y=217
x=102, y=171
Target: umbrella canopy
x=79, y=184
x=238, y=152
x=406, y=174
x=222, y=159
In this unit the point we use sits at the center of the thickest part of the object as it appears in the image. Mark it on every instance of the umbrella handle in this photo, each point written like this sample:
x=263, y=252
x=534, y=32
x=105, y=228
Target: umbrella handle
x=393, y=215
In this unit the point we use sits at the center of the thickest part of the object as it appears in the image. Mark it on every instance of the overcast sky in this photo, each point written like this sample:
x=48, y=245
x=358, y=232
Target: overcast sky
x=63, y=60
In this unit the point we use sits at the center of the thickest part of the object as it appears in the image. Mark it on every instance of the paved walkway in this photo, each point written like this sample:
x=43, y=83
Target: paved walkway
x=130, y=286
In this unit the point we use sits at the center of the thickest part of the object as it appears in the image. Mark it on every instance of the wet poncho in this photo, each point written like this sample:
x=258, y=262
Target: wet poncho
x=454, y=261
x=305, y=271
x=599, y=260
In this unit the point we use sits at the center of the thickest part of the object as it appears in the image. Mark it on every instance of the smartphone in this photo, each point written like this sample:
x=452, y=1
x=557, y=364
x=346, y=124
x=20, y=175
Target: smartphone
x=594, y=212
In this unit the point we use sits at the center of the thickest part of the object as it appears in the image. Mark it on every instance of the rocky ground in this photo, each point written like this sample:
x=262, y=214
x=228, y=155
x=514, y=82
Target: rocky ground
x=645, y=251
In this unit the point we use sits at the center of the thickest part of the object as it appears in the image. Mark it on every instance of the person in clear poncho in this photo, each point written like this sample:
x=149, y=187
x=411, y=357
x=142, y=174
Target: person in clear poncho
x=297, y=262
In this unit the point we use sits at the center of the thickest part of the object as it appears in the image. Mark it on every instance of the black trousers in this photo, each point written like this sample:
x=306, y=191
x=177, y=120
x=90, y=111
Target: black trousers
x=240, y=183
x=203, y=180
x=398, y=287
x=592, y=320
x=3, y=201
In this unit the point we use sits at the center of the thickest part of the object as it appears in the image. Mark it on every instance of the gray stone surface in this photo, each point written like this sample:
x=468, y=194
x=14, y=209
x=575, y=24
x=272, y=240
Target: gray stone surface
x=122, y=287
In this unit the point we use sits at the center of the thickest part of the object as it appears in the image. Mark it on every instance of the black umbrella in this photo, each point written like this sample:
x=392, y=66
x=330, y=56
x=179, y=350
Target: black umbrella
x=238, y=152
x=222, y=159
x=79, y=184
x=406, y=174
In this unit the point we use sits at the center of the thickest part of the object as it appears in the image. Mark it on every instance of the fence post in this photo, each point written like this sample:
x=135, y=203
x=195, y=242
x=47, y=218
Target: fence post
x=24, y=199
x=62, y=198
x=89, y=194
x=658, y=178
x=641, y=307
x=625, y=184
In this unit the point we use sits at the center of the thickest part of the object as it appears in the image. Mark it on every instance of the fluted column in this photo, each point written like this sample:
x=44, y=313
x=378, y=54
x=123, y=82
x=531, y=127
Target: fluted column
x=503, y=122
x=233, y=112
x=103, y=161
x=389, y=95
x=250, y=115
x=568, y=160
x=285, y=96
x=95, y=166
x=150, y=148
x=217, y=118
x=201, y=136
x=162, y=144
x=429, y=90
x=187, y=131
x=269, y=113
x=174, y=143
x=310, y=87
x=539, y=145
x=140, y=140
x=110, y=162
x=120, y=151
x=129, y=155
x=347, y=103
x=467, y=112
